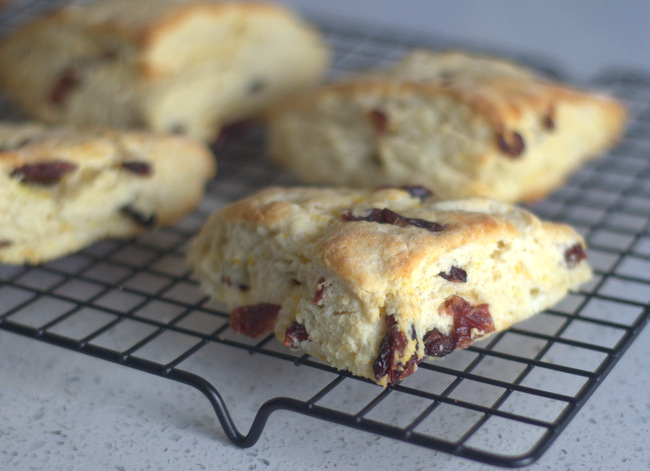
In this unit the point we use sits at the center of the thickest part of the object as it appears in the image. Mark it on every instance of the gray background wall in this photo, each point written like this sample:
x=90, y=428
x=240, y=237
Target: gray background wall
x=583, y=37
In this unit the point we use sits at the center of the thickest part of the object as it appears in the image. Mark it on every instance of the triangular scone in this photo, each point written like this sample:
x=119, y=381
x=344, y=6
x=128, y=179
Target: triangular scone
x=373, y=280
x=461, y=124
x=181, y=66
x=62, y=188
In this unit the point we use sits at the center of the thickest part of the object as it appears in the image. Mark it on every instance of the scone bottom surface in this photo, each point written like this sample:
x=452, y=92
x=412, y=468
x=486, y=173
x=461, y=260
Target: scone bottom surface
x=375, y=281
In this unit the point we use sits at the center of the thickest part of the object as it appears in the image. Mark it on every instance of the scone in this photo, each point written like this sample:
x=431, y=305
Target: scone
x=178, y=66
x=63, y=189
x=461, y=124
x=373, y=281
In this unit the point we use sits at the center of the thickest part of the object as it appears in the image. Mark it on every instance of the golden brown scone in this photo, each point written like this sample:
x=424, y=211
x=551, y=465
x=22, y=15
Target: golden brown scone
x=373, y=281
x=62, y=189
x=181, y=66
x=461, y=124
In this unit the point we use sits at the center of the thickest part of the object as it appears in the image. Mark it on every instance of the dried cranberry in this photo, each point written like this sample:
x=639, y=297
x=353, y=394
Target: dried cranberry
x=416, y=191
x=320, y=290
x=146, y=220
x=455, y=274
x=379, y=121
x=44, y=173
x=254, y=320
x=438, y=345
x=138, y=167
x=393, y=342
x=513, y=146
x=465, y=318
x=68, y=80
x=390, y=350
x=573, y=255
x=386, y=216
x=428, y=225
x=295, y=335
x=228, y=282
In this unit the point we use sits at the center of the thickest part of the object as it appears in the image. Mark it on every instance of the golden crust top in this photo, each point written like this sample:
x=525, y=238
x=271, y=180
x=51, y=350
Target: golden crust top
x=496, y=89
x=147, y=23
x=366, y=253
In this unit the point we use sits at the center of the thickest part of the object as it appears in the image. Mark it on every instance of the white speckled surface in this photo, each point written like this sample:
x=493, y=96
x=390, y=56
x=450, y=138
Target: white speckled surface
x=63, y=410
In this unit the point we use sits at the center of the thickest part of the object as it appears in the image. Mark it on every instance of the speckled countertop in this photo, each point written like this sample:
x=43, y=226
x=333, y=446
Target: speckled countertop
x=63, y=410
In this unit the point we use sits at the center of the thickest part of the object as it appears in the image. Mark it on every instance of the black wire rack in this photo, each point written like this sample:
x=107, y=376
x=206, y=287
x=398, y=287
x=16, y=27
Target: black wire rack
x=502, y=401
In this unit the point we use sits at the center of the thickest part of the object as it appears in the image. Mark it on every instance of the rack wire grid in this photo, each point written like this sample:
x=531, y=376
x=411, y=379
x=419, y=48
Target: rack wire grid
x=502, y=401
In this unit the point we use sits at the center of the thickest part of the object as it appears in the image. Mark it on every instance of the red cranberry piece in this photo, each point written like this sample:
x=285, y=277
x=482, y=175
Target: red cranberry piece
x=573, y=255
x=386, y=216
x=146, y=220
x=466, y=318
x=391, y=217
x=391, y=349
x=138, y=167
x=320, y=291
x=455, y=274
x=513, y=146
x=406, y=369
x=44, y=173
x=295, y=335
x=379, y=121
x=68, y=80
x=393, y=342
x=438, y=345
x=417, y=191
x=254, y=320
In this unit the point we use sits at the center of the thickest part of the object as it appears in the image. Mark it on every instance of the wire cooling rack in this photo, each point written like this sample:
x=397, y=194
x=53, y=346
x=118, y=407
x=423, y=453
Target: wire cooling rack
x=502, y=401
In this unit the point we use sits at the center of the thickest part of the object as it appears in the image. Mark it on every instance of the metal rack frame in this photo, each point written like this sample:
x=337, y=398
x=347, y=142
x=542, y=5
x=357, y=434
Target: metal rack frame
x=79, y=301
